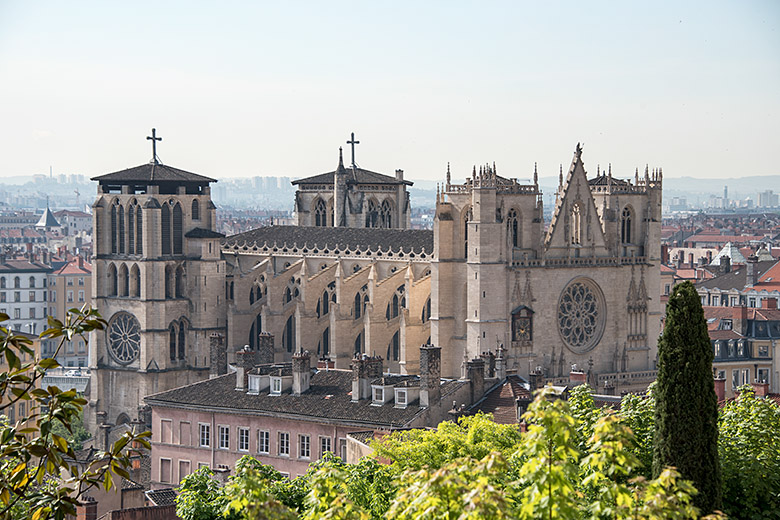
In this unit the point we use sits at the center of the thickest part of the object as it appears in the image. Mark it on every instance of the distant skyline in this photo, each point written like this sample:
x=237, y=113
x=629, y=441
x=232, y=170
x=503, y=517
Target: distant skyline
x=239, y=89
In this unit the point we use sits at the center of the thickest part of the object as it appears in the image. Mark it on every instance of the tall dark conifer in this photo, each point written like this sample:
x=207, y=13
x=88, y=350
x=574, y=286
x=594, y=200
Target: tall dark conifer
x=686, y=410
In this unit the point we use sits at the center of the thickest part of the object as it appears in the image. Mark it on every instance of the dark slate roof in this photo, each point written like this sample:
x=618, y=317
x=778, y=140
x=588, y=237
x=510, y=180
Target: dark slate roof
x=22, y=266
x=736, y=279
x=603, y=180
x=162, y=497
x=203, y=233
x=332, y=238
x=354, y=176
x=47, y=219
x=151, y=172
x=328, y=398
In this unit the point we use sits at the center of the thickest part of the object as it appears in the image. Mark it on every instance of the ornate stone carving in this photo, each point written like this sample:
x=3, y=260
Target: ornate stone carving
x=124, y=338
x=581, y=314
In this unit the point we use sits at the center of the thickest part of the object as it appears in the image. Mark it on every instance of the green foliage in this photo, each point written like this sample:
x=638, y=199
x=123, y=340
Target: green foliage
x=750, y=456
x=585, y=414
x=638, y=413
x=686, y=413
x=251, y=493
x=36, y=476
x=473, y=437
x=200, y=496
x=77, y=433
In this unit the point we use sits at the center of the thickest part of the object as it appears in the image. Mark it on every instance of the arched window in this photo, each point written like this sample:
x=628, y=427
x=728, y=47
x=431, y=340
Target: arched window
x=325, y=303
x=359, y=344
x=17, y=282
x=172, y=342
x=320, y=213
x=112, y=280
x=131, y=229
x=135, y=282
x=387, y=214
x=326, y=342
x=396, y=304
x=356, y=311
x=287, y=295
x=426, y=312
x=466, y=219
x=182, y=339
x=251, y=296
x=178, y=230
x=393, y=348
x=32, y=282
x=252, y=336
x=113, y=227
x=139, y=231
x=195, y=210
x=165, y=229
x=372, y=214
x=231, y=290
x=169, y=275
x=120, y=217
x=513, y=228
x=288, y=336
x=124, y=281
x=2, y=282
x=576, y=224
x=179, y=282
x=625, y=226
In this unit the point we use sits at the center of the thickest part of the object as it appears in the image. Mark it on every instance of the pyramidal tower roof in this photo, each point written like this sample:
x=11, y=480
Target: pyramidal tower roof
x=47, y=220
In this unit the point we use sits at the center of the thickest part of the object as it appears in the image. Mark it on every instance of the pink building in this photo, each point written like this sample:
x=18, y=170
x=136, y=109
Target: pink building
x=287, y=415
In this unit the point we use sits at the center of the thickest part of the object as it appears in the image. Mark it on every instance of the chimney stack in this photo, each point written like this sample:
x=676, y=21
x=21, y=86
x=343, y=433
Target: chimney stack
x=720, y=389
x=475, y=371
x=769, y=303
x=360, y=386
x=217, y=354
x=265, y=348
x=725, y=265
x=761, y=389
x=501, y=363
x=301, y=372
x=577, y=377
x=245, y=361
x=490, y=364
x=751, y=271
x=430, y=375
x=536, y=379
x=690, y=260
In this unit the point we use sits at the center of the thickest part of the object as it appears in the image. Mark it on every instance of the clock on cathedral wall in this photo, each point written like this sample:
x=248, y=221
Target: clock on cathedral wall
x=124, y=337
x=581, y=314
x=522, y=324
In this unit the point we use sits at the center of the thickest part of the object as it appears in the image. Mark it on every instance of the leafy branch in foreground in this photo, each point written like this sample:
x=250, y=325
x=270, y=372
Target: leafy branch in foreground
x=38, y=474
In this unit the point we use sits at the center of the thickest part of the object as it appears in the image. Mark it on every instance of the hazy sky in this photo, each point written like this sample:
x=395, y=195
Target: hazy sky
x=261, y=88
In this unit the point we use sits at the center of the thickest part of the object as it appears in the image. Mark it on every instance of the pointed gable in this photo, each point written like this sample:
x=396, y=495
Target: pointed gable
x=575, y=223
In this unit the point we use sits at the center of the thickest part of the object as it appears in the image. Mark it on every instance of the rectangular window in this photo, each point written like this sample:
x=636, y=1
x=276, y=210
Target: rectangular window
x=400, y=397
x=763, y=351
x=17, y=313
x=166, y=431
x=726, y=325
x=734, y=301
x=667, y=289
x=70, y=281
x=722, y=374
x=70, y=297
x=718, y=352
x=224, y=437
x=276, y=385
x=17, y=296
x=343, y=449
x=284, y=444
x=82, y=347
x=185, y=431
x=205, y=435
x=31, y=296
x=184, y=469
x=734, y=379
x=32, y=313
x=263, y=441
x=53, y=296
x=2, y=297
x=745, y=379
x=81, y=281
x=165, y=470
x=763, y=375
x=325, y=446
x=751, y=302
x=81, y=296
x=203, y=465
x=243, y=439
x=715, y=301
x=304, y=447
x=379, y=395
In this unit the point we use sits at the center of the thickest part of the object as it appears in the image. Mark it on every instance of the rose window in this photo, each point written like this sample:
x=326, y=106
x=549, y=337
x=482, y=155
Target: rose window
x=124, y=337
x=581, y=315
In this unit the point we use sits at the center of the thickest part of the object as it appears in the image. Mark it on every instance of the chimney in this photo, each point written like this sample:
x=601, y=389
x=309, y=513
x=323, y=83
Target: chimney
x=490, y=364
x=536, y=379
x=301, y=372
x=360, y=385
x=665, y=254
x=709, y=257
x=720, y=389
x=475, y=372
x=265, y=348
x=680, y=256
x=217, y=354
x=769, y=303
x=430, y=375
x=725, y=265
x=81, y=261
x=577, y=377
x=325, y=364
x=761, y=389
x=751, y=273
x=399, y=175
x=87, y=509
x=690, y=260
x=374, y=368
x=500, y=364
x=245, y=361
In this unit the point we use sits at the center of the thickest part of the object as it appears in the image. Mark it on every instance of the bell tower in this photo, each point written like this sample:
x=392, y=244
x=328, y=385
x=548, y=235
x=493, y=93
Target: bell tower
x=158, y=279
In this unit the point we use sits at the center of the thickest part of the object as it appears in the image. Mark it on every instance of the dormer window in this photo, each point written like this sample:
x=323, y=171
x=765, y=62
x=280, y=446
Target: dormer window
x=726, y=324
x=254, y=384
x=378, y=396
x=401, y=398
x=276, y=385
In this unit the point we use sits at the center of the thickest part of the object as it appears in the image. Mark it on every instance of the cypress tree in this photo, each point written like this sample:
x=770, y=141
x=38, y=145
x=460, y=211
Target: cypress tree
x=686, y=410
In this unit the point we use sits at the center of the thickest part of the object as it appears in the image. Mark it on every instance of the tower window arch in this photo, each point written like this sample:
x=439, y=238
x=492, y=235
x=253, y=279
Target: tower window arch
x=626, y=221
x=172, y=341
x=394, y=348
x=179, y=282
x=124, y=281
x=139, y=231
x=513, y=228
x=372, y=214
x=120, y=217
x=32, y=282
x=288, y=336
x=131, y=228
x=135, y=281
x=169, y=282
x=320, y=213
x=326, y=342
x=112, y=280
x=387, y=214
x=114, y=235
x=165, y=229
x=182, y=339
x=396, y=304
x=466, y=219
x=178, y=230
x=195, y=210
x=576, y=224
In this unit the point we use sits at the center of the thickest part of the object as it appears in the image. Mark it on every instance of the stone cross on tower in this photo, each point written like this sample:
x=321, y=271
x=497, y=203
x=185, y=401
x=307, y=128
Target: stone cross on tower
x=153, y=138
x=352, y=143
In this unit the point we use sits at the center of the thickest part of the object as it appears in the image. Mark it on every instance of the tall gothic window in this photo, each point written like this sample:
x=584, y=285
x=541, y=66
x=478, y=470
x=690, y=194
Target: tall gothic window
x=182, y=339
x=625, y=226
x=394, y=348
x=372, y=214
x=120, y=217
x=135, y=282
x=288, y=336
x=172, y=342
x=178, y=230
x=326, y=342
x=131, y=229
x=139, y=231
x=165, y=229
x=358, y=307
x=320, y=213
x=113, y=228
x=195, y=210
x=359, y=344
x=179, y=283
x=169, y=282
x=576, y=224
x=112, y=280
x=466, y=219
x=124, y=281
x=513, y=228
x=387, y=214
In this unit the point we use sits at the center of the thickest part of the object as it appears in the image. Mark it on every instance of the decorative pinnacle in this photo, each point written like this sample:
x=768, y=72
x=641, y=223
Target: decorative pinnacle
x=536, y=175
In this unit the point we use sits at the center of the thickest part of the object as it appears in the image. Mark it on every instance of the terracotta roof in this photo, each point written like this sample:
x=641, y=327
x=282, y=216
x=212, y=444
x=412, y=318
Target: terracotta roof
x=328, y=398
x=334, y=238
x=502, y=400
x=708, y=237
x=725, y=334
x=73, y=267
x=151, y=172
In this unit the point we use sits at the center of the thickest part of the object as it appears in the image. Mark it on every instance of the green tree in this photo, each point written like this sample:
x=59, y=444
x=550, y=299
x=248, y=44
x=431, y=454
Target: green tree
x=686, y=409
x=35, y=475
x=200, y=496
x=77, y=433
x=638, y=413
x=750, y=456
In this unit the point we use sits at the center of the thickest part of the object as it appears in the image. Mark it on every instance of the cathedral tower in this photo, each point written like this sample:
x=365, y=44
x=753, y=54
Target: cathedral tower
x=158, y=280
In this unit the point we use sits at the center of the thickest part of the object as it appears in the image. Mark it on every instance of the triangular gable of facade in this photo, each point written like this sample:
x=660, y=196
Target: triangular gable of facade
x=563, y=232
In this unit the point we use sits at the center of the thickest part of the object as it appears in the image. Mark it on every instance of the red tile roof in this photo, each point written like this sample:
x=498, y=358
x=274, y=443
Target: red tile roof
x=502, y=401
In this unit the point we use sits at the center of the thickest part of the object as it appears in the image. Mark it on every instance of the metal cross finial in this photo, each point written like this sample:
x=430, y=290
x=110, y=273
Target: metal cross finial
x=352, y=142
x=153, y=138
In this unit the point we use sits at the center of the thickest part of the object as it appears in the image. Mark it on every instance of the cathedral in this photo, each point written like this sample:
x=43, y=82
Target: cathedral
x=351, y=278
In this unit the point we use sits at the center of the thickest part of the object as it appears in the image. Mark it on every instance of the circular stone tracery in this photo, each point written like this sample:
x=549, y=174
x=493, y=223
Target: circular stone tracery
x=124, y=337
x=581, y=314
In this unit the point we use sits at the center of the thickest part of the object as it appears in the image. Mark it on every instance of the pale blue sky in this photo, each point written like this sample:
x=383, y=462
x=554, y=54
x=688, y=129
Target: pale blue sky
x=257, y=88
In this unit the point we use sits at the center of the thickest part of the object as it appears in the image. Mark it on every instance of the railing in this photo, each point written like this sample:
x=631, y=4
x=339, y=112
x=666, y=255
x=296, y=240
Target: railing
x=581, y=262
